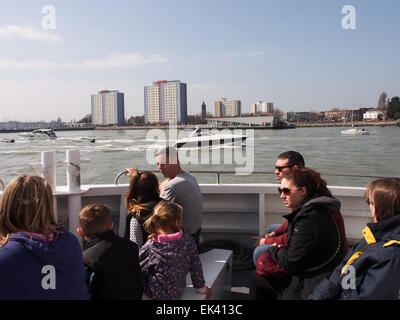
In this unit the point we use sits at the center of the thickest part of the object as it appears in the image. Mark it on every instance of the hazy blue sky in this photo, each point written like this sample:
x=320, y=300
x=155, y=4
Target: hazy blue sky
x=294, y=53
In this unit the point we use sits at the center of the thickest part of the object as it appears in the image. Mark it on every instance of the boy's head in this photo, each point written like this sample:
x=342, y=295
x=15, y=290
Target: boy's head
x=94, y=219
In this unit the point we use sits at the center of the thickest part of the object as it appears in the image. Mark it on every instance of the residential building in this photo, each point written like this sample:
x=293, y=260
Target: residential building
x=165, y=101
x=297, y=116
x=108, y=107
x=262, y=107
x=227, y=108
x=373, y=115
x=335, y=115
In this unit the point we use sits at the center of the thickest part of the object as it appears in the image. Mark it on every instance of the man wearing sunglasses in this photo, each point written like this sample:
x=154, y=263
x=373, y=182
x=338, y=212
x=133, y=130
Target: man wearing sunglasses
x=287, y=161
x=276, y=233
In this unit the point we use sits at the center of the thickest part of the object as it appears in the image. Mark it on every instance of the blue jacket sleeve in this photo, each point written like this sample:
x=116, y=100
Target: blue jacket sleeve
x=380, y=282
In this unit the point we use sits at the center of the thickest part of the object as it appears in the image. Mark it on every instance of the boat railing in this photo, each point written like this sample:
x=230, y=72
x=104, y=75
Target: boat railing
x=219, y=173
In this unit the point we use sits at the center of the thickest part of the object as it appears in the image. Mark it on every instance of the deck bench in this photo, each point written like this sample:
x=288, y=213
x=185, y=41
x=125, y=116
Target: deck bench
x=217, y=270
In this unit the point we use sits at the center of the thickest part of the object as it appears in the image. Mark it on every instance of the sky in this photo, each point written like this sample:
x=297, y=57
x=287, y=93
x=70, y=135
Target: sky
x=303, y=55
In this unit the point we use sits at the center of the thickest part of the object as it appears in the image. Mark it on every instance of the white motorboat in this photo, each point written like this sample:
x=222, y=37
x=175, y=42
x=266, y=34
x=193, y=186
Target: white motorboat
x=39, y=134
x=205, y=138
x=355, y=131
x=7, y=140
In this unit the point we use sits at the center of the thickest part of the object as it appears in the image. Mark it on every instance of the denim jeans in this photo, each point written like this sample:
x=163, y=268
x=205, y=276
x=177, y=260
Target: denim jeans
x=264, y=247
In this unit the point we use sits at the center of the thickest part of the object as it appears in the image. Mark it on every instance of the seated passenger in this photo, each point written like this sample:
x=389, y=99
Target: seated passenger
x=285, y=163
x=314, y=241
x=39, y=259
x=168, y=255
x=370, y=270
x=112, y=263
x=142, y=196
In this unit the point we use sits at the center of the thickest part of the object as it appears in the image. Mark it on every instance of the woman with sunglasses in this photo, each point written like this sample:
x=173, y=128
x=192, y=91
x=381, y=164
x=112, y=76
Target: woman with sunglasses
x=315, y=240
x=371, y=270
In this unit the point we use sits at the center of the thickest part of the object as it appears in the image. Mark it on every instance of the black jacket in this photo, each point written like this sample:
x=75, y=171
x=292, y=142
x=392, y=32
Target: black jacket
x=115, y=263
x=314, y=247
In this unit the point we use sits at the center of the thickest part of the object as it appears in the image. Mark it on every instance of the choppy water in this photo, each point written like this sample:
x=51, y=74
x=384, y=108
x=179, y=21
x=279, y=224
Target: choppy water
x=324, y=149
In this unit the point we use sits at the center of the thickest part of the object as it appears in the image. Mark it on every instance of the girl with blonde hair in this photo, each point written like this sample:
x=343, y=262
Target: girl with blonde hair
x=169, y=255
x=39, y=259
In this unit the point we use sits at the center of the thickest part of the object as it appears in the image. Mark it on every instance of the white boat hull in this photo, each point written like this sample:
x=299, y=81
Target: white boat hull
x=209, y=142
x=355, y=132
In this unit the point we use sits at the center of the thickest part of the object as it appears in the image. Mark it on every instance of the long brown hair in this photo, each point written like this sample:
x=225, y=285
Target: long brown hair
x=309, y=179
x=384, y=194
x=166, y=215
x=27, y=205
x=143, y=188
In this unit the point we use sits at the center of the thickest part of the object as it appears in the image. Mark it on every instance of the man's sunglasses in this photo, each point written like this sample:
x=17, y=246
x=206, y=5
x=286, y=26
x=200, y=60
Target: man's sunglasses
x=280, y=168
x=287, y=191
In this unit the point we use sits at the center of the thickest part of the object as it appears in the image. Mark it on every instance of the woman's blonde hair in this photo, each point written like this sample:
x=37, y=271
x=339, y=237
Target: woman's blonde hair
x=384, y=194
x=166, y=215
x=27, y=205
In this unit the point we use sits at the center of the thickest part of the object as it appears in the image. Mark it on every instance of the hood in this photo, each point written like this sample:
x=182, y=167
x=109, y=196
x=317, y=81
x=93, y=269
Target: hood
x=326, y=203
x=331, y=204
x=59, y=253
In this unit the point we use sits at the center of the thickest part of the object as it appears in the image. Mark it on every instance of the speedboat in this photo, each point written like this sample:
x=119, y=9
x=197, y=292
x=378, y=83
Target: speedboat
x=88, y=139
x=39, y=134
x=355, y=131
x=205, y=138
x=7, y=140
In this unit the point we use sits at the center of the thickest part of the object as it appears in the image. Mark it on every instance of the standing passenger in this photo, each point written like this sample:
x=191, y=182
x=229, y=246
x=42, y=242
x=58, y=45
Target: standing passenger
x=371, y=270
x=182, y=188
x=39, y=259
x=168, y=255
x=143, y=194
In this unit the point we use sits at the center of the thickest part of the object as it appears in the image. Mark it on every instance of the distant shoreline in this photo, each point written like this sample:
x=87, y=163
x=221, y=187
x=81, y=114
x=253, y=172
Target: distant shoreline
x=187, y=126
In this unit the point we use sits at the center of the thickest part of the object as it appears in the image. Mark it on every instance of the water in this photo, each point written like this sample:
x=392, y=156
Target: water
x=324, y=149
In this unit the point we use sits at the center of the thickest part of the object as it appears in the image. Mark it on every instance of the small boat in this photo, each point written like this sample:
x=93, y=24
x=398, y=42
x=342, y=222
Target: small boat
x=39, y=134
x=205, y=138
x=7, y=140
x=88, y=139
x=355, y=131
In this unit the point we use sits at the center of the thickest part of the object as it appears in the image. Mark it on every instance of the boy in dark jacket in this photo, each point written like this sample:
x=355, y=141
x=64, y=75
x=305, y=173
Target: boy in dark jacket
x=112, y=263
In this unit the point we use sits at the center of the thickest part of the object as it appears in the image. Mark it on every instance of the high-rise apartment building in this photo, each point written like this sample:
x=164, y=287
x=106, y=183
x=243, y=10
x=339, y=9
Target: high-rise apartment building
x=108, y=107
x=262, y=107
x=165, y=101
x=227, y=108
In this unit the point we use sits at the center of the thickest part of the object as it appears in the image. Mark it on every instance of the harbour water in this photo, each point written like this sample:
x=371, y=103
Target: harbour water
x=324, y=149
